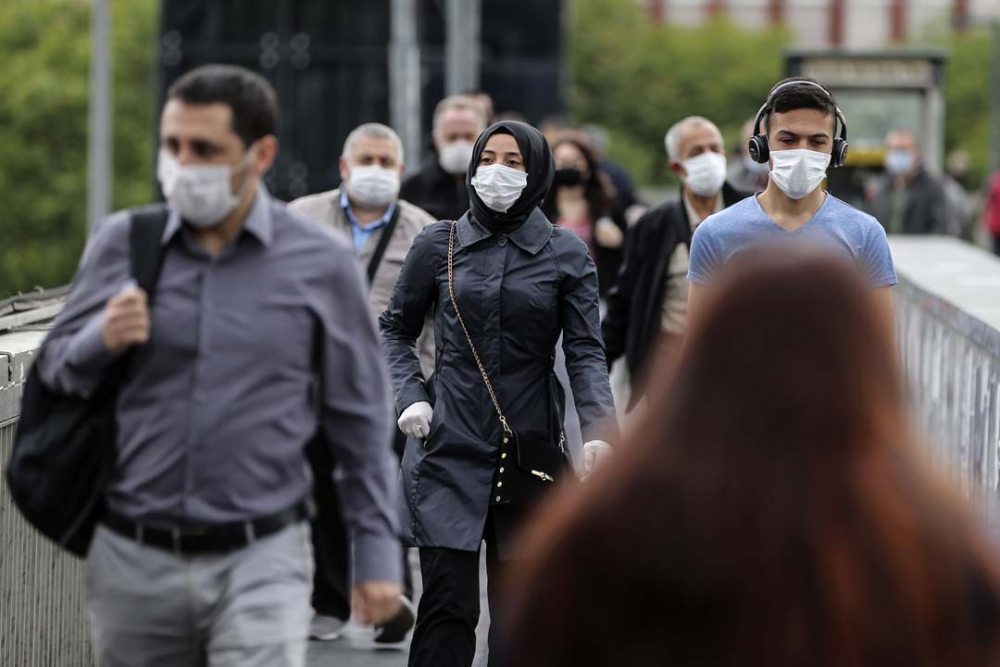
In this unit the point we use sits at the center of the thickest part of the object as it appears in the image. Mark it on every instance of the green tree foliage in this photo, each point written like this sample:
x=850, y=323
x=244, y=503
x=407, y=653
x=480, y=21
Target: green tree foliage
x=43, y=130
x=637, y=78
x=967, y=97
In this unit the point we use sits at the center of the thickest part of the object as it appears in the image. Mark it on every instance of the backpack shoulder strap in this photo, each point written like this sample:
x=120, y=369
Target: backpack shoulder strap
x=146, y=248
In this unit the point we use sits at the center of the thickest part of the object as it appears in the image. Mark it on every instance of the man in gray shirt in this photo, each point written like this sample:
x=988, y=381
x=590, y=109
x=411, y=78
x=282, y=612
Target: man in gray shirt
x=258, y=338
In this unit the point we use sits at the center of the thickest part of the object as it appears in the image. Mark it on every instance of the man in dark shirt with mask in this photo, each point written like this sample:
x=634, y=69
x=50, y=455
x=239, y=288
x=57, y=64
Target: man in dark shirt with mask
x=907, y=199
x=257, y=338
x=439, y=186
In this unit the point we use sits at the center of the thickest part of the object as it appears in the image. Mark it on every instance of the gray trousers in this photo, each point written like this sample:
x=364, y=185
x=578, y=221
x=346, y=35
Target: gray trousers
x=151, y=608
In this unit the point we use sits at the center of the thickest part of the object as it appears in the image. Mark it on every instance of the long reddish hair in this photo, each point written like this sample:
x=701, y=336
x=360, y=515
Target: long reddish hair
x=772, y=510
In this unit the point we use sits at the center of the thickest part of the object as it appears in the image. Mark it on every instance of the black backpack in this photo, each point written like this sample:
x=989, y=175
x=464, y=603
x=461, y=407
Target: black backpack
x=64, y=448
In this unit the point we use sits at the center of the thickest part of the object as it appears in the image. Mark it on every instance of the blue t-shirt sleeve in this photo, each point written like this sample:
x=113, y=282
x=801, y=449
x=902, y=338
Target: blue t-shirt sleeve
x=876, y=258
x=704, y=256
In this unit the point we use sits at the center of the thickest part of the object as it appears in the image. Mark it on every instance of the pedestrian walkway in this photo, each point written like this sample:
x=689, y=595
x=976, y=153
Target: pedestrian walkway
x=357, y=648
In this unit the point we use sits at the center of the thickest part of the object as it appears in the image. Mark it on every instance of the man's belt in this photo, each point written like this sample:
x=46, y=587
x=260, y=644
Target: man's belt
x=184, y=540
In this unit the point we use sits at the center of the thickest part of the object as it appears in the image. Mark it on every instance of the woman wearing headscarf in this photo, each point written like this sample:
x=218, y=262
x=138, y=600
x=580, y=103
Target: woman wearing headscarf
x=486, y=437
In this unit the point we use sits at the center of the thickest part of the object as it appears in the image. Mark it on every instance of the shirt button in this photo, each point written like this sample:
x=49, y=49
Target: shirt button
x=501, y=470
x=502, y=241
x=499, y=484
x=498, y=498
x=504, y=455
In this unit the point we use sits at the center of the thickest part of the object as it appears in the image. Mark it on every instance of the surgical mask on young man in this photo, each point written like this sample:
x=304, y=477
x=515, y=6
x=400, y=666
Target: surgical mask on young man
x=455, y=157
x=898, y=162
x=499, y=186
x=799, y=171
x=200, y=193
x=705, y=173
x=373, y=186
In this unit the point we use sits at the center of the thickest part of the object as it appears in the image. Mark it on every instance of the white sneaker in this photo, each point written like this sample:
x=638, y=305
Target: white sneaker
x=326, y=628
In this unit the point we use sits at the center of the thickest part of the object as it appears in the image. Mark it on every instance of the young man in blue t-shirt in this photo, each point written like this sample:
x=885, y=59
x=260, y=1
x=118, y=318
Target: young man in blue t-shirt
x=797, y=134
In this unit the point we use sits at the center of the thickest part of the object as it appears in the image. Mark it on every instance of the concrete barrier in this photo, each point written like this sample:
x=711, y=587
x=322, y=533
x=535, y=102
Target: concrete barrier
x=948, y=326
x=43, y=621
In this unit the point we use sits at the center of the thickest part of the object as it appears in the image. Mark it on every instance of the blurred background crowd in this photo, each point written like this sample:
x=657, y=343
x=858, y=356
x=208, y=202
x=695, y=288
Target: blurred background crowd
x=603, y=79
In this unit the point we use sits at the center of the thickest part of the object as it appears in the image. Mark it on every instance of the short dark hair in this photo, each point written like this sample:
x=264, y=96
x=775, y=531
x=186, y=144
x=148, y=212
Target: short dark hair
x=249, y=95
x=806, y=96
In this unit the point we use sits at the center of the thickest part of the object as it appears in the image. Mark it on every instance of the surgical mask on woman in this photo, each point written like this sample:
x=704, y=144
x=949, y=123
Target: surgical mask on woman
x=798, y=171
x=200, y=193
x=374, y=186
x=499, y=186
x=705, y=173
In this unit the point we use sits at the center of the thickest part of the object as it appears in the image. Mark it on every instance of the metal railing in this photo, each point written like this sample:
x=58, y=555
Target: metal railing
x=948, y=328
x=43, y=620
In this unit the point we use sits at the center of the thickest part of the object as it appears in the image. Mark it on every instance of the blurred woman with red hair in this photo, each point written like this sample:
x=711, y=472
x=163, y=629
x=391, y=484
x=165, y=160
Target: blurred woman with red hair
x=771, y=511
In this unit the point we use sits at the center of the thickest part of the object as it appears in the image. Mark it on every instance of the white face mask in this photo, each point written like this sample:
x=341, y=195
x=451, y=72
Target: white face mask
x=200, y=193
x=373, y=186
x=455, y=157
x=898, y=162
x=799, y=171
x=705, y=173
x=499, y=186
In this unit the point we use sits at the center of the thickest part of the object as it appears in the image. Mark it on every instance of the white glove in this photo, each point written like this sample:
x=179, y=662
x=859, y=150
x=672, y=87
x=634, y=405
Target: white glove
x=416, y=420
x=595, y=453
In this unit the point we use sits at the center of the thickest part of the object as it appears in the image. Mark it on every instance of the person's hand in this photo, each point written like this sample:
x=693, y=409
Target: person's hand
x=375, y=602
x=607, y=234
x=126, y=320
x=416, y=420
x=595, y=453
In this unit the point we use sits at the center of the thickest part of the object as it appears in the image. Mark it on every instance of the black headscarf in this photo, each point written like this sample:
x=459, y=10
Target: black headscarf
x=538, y=163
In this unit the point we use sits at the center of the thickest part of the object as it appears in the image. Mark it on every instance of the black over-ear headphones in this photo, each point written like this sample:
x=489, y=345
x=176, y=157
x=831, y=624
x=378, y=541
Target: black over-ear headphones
x=760, y=151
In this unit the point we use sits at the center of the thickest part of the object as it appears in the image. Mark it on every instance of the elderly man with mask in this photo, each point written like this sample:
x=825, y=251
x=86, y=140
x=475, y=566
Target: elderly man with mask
x=367, y=212
x=907, y=199
x=439, y=186
x=649, y=302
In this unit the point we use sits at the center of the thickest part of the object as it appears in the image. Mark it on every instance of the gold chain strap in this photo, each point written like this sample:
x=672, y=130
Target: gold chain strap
x=472, y=347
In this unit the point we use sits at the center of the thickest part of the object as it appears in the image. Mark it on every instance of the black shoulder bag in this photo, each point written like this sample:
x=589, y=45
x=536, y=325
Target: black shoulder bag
x=538, y=461
x=64, y=448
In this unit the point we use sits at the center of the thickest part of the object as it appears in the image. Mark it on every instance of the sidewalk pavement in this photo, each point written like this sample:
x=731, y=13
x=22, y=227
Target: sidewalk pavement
x=356, y=647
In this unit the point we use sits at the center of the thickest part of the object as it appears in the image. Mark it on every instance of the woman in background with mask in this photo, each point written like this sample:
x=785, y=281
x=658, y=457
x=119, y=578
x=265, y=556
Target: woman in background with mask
x=486, y=440
x=583, y=200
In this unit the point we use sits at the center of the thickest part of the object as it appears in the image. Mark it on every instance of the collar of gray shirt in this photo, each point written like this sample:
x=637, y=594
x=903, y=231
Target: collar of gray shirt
x=258, y=221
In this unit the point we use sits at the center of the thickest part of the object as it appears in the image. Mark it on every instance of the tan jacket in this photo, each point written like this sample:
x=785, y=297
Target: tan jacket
x=325, y=209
